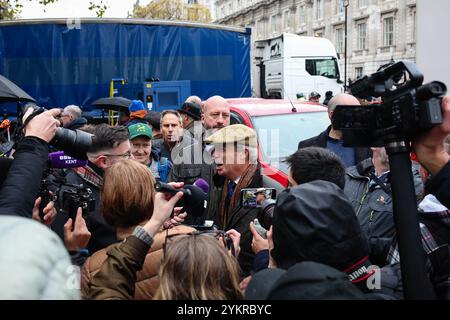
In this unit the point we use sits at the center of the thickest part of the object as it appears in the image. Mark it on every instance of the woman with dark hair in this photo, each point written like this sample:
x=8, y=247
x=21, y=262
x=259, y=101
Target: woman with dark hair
x=127, y=200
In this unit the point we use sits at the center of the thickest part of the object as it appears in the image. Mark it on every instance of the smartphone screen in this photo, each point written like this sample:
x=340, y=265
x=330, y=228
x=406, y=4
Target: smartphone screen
x=253, y=197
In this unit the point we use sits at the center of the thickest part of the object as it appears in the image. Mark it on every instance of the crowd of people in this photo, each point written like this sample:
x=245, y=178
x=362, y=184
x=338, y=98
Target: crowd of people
x=332, y=233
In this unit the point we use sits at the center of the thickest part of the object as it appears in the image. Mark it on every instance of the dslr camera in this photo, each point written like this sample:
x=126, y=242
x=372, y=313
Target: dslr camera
x=74, y=143
x=408, y=107
x=76, y=197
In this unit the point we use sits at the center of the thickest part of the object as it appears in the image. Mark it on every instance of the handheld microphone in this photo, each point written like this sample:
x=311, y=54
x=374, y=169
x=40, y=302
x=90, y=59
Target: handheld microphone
x=60, y=160
x=202, y=184
x=194, y=199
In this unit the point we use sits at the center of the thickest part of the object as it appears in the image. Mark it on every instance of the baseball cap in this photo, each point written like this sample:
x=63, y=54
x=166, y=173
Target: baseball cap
x=140, y=129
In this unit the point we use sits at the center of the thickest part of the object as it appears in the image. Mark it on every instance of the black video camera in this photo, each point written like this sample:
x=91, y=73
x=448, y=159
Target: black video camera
x=408, y=107
x=78, y=197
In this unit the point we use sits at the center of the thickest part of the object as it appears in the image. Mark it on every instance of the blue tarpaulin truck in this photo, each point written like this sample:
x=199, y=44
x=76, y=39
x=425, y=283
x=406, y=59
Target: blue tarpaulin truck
x=66, y=61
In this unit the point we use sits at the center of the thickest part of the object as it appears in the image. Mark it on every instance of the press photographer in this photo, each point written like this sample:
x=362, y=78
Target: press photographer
x=22, y=176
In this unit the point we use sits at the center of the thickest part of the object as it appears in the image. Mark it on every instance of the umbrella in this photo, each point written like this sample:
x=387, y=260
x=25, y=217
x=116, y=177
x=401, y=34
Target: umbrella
x=10, y=92
x=113, y=103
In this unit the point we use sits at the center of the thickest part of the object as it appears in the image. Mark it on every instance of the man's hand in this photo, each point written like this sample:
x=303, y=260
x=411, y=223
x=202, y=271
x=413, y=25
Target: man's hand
x=162, y=209
x=258, y=242
x=429, y=147
x=43, y=125
x=78, y=236
x=49, y=212
x=236, y=238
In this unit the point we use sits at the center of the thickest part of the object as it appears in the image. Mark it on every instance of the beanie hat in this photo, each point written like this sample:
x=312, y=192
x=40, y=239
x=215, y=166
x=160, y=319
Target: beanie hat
x=136, y=105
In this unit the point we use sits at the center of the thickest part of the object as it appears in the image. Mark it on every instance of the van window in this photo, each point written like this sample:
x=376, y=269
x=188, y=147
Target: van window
x=323, y=67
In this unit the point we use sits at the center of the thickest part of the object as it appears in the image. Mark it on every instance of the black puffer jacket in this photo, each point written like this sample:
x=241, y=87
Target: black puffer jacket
x=23, y=177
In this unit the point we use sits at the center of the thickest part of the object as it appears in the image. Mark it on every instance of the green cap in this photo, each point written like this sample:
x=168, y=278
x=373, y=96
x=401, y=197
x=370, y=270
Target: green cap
x=140, y=129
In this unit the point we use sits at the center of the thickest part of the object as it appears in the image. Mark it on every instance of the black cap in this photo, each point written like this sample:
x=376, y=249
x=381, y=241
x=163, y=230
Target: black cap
x=193, y=110
x=315, y=221
x=303, y=281
x=153, y=118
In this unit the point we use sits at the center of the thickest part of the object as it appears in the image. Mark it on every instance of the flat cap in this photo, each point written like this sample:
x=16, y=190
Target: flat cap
x=236, y=133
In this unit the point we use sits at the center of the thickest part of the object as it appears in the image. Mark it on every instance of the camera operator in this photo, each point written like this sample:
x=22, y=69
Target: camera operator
x=109, y=145
x=430, y=151
x=23, y=174
x=235, y=156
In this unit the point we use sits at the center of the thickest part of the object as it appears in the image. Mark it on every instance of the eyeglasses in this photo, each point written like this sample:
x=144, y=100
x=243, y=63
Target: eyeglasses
x=126, y=155
x=217, y=234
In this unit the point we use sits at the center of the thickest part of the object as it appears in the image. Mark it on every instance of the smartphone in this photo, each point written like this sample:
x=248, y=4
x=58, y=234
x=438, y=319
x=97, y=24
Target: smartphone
x=253, y=197
x=259, y=228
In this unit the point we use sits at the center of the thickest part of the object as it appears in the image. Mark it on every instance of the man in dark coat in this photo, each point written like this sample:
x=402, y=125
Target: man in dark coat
x=71, y=118
x=235, y=156
x=332, y=139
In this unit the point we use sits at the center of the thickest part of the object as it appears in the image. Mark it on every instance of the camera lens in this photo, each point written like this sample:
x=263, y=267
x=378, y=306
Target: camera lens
x=265, y=215
x=74, y=143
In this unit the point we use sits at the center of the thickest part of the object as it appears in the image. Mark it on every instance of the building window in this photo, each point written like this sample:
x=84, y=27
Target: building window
x=358, y=72
x=260, y=28
x=318, y=33
x=238, y=5
x=273, y=23
x=222, y=11
x=388, y=31
x=414, y=25
x=287, y=20
x=319, y=9
x=340, y=40
x=340, y=6
x=361, y=36
x=301, y=15
x=230, y=8
x=362, y=4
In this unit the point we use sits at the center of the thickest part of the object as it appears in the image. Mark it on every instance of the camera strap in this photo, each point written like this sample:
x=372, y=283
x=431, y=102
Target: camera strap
x=380, y=183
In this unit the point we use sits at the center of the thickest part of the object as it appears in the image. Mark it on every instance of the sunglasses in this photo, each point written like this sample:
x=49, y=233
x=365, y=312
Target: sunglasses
x=217, y=234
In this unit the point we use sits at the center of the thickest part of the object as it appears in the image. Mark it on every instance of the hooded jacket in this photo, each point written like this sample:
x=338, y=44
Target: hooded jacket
x=315, y=222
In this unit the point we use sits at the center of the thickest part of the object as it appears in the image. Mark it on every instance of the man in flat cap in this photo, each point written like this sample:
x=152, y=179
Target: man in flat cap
x=235, y=155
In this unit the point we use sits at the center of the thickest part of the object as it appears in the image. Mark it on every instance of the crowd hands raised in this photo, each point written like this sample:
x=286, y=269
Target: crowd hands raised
x=138, y=243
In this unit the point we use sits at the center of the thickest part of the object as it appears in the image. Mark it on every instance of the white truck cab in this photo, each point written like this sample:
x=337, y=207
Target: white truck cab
x=290, y=64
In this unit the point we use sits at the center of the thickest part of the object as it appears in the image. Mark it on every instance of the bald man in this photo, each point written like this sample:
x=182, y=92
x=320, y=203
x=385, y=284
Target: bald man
x=216, y=114
x=332, y=139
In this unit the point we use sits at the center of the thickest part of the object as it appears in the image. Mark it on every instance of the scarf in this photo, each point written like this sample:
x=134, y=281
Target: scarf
x=89, y=175
x=225, y=212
